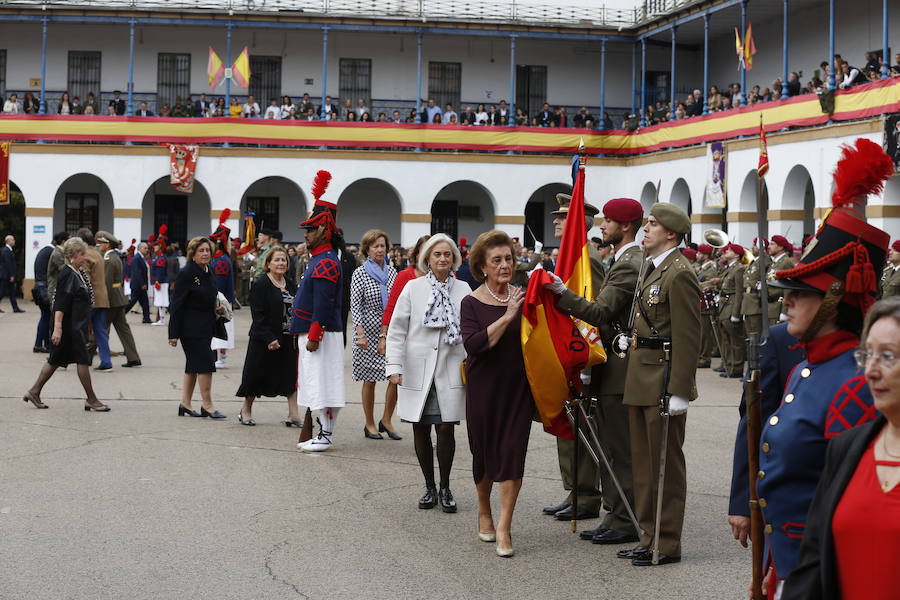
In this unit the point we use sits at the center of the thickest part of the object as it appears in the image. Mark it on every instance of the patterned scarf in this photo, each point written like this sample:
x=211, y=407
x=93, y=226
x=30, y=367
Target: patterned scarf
x=380, y=274
x=85, y=281
x=440, y=312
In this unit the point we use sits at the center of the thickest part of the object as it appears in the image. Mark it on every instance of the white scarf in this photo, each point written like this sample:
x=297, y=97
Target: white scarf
x=440, y=312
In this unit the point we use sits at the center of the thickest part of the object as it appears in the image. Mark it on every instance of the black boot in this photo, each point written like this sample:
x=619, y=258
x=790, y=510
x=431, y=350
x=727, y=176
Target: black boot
x=429, y=499
x=448, y=504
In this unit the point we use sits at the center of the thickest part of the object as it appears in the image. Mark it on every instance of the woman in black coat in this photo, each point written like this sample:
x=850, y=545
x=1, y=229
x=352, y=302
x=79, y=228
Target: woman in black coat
x=192, y=319
x=72, y=304
x=270, y=367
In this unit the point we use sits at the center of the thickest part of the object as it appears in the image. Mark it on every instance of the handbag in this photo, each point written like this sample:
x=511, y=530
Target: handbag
x=223, y=318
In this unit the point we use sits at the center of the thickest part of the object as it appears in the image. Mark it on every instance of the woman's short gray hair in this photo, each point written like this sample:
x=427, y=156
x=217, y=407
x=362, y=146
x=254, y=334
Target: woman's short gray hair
x=73, y=247
x=889, y=307
x=430, y=244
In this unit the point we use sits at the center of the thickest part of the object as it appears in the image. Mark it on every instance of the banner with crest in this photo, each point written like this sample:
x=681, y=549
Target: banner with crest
x=4, y=173
x=182, y=166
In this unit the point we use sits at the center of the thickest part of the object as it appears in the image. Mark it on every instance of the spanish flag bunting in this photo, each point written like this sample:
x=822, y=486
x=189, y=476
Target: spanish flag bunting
x=215, y=69
x=555, y=346
x=240, y=71
x=738, y=48
x=763, y=166
x=749, y=47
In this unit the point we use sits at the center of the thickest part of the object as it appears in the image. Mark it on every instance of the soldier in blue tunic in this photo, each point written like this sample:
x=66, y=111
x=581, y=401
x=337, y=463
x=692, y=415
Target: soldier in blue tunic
x=827, y=295
x=159, y=275
x=223, y=276
x=317, y=322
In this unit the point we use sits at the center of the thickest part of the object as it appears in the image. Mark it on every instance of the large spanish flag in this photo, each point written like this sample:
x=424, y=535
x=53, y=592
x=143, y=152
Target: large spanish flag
x=214, y=69
x=240, y=71
x=555, y=346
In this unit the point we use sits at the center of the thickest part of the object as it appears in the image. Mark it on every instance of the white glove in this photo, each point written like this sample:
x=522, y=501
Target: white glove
x=556, y=286
x=585, y=378
x=678, y=405
x=624, y=343
x=538, y=246
x=735, y=319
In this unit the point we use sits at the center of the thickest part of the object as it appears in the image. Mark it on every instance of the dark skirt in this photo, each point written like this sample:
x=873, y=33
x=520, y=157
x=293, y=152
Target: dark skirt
x=270, y=372
x=199, y=357
x=431, y=412
x=72, y=347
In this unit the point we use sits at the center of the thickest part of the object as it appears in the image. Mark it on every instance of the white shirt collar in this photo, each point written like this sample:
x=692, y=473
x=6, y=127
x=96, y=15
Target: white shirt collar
x=658, y=260
x=622, y=250
x=105, y=254
x=778, y=257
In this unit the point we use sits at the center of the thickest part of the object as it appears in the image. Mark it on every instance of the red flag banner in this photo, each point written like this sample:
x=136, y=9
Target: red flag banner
x=556, y=347
x=749, y=47
x=182, y=166
x=4, y=173
x=763, y=166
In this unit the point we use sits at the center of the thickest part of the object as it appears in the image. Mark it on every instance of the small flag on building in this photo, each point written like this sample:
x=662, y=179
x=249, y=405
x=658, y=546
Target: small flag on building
x=738, y=48
x=215, y=69
x=240, y=71
x=4, y=173
x=763, y=167
x=182, y=166
x=749, y=47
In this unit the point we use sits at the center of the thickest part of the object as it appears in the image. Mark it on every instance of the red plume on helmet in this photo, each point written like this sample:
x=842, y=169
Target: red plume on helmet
x=861, y=170
x=323, y=178
x=161, y=238
x=222, y=232
x=324, y=213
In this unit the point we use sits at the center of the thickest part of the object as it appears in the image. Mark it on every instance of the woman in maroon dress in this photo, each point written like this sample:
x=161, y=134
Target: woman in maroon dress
x=498, y=400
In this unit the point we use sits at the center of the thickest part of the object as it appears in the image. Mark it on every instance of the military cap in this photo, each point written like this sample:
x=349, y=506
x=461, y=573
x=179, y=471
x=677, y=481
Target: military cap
x=623, y=210
x=689, y=253
x=102, y=238
x=896, y=246
x=736, y=248
x=564, y=199
x=782, y=241
x=671, y=217
x=765, y=242
x=705, y=249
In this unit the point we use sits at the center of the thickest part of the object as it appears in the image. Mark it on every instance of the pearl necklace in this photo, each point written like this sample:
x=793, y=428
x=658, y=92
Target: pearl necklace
x=494, y=296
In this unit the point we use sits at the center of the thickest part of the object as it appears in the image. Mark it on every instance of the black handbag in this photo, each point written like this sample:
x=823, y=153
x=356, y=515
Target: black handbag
x=220, y=329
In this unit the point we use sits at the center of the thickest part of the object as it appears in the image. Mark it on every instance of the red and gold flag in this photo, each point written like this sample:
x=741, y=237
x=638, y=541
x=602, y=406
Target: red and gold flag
x=749, y=47
x=240, y=71
x=763, y=166
x=214, y=69
x=182, y=166
x=4, y=173
x=555, y=346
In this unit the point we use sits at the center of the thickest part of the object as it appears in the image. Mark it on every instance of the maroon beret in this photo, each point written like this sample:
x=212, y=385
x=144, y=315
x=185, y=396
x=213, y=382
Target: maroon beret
x=736, y=248
x=689, y=253
x=705, y=249
x=623, y=210
x=781, y=241
x=896, y=246
x=765, y=242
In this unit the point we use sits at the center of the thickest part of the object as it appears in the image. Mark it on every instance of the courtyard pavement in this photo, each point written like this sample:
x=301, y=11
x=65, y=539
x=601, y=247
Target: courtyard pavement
x=138, y=503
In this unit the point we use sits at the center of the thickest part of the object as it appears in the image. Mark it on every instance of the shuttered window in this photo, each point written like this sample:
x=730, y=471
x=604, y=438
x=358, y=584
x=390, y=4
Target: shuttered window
x=84, y=75
x=531, y=88
x=356, y=82
x=173, y=78
x=444, y=82
x=3, y=73
x=265, y=80
x=82, y=210
x=265, y=211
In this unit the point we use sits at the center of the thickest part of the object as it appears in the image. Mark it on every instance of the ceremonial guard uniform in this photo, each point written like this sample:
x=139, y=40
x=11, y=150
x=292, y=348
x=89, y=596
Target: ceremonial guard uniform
x=826, y=393
x=317, y=322
x=159, y=277
x=890, y=279
x=223, y=276
x=610, y=312
x=751, y=310
x=661, y=371
x=731, y=329
x=707, y=271
x=781, y=261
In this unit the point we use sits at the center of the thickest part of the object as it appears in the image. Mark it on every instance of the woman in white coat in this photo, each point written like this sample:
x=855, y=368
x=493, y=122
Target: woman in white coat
x=424, y=358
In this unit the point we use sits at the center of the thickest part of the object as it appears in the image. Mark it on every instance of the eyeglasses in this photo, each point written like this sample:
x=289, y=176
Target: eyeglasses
x=886, y=359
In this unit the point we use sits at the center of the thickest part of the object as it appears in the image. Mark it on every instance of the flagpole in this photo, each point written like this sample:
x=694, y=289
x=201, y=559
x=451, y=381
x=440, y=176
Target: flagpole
x=743, y=95
x=228, y=62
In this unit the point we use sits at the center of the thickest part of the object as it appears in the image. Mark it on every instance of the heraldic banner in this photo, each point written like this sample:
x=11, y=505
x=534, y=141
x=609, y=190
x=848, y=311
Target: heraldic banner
x=715, y=175
x=4, y=173
x=182, y=165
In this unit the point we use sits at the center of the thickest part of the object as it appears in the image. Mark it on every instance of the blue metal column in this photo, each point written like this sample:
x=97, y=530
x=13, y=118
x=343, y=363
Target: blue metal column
x=831, y=81
x=633, y=75
x=130, y=110
x=705, y=94
x=512, y=81
x=602, y=84
x=324, y=69
x=672, y=79
x=643, y=79
x=784, y=60
x=228, y=66
x=884, y=25
x=743, y=95
x=419, y=77
x=43, y=109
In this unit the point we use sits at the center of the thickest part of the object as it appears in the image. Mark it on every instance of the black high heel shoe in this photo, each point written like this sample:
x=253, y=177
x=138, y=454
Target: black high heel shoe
x=212, y=415
x=391, y=434
x=101, y=408
x=429, y=499
x=371, y=436
x=183, y=410
x=445, y=498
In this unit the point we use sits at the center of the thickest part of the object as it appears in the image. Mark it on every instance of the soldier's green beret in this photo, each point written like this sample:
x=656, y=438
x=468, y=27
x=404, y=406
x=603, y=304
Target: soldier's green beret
x=671, y=217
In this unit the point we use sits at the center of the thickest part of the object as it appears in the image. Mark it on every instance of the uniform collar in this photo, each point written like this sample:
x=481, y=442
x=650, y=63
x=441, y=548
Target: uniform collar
x=320, y=249
x=622, y=250
x=659, y=259
x=829, y=346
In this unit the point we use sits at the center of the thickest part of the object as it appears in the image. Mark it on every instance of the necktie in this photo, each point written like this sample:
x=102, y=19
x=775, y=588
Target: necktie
x=649, y=269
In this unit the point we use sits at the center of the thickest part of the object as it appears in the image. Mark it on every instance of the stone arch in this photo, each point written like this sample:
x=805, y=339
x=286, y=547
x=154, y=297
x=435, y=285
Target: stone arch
x=83, y=200
x=366, y=204
x=279, y=204
x=187, y=215
x=537, y=213
x=798, y=195
x=462, y=209
x=748, y=204
x=13, y=222
x=681, y=196
x=648, y=197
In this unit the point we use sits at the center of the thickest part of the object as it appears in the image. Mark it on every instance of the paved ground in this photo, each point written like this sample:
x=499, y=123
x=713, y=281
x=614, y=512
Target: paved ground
x=138, y=503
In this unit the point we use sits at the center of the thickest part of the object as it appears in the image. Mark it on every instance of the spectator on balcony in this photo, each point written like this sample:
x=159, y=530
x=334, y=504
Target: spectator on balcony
x=453, y=120
x=351, y=116
x=851, y=76
x=30, y=105
x=395, y=117
x=680, y=112
x=765, y=95
x=449, y=112
x=201, y=107
x=431, y=110
x=694, y=106
x=793, y=84
x=273, y=111
x=92, y=102
x=607, y=121
x=361, y=108
x=382, y=118
x=12, y=106
x=143, y=111
x=179, y=110
x=714, y=102
x=165, y=111
x=578, y=119
x=521, y=117
x=365, y=117
x=561, y=117
x=312, y=116
x=736, y=101
x=658, y=113
x=333, y=116
x=545, y=117
x=118, y=103
x=65, y=105
x=303, y=107
x=234, y=108
x=468, y=117
x=250, y=110
x=219, y=112
x=329, y=107
x=726, y=103
x=872, y=62
x=436, y=120
x=77, y=107
x=293, y=116
x=481, y=115
x=502, y=111
x=493, y=115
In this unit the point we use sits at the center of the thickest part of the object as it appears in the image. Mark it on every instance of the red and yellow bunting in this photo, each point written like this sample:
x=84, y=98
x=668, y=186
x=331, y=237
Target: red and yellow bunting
x=868, y=100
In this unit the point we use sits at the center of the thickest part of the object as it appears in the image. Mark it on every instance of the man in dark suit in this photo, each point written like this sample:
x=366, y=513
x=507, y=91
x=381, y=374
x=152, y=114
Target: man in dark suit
x=115, y=315
x=326, y=109
x=200, y=106
x=142, y=111
x=139, y=278
x=545, y=117
x=118, y=103
x=8, y=273
x=42, y=298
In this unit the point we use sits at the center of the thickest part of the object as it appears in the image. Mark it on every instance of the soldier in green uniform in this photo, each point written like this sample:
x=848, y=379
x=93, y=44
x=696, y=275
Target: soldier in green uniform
x=589, y=499
x=610, y=312
x=664, y=350
x=708, y=276
x=890, y=279
x=263, y=243
x=731, y=328
x=780, y=249
x=751, y=311
x=520, y=275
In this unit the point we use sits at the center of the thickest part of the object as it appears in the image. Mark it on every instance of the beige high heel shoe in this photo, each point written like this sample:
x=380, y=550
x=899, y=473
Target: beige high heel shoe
x=506, y=552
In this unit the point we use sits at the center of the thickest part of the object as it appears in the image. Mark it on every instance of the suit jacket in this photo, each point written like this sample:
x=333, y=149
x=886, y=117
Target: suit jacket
x=7, y=263
x=334, y=109
x=192, y=308
x=609, y=312
x=56, y=264
x=669, y=298
x=41, y=263
x=777, y=358
x=138, y=271
x=98, y=278
x=816, y=575
x=143, y=113
x=732, y=292
x=198, y=107
x=119, y=105
x=114, y=272
x=267, y=309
